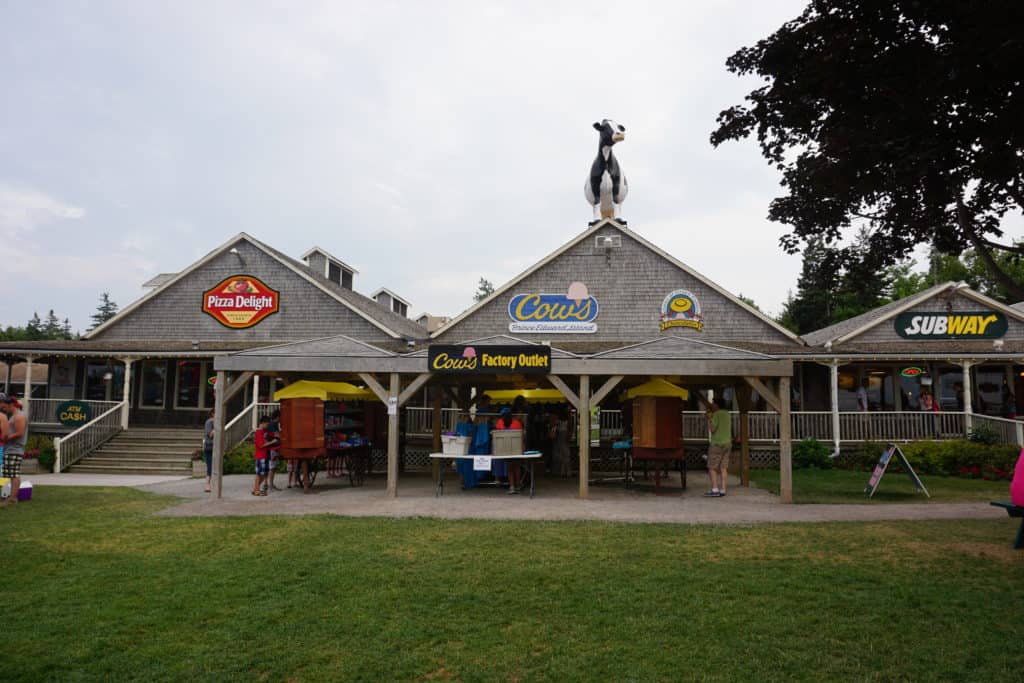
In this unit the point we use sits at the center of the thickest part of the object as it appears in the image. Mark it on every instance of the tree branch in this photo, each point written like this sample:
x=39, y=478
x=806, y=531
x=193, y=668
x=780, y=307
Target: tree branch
x=1014, y=249
x=986, y=256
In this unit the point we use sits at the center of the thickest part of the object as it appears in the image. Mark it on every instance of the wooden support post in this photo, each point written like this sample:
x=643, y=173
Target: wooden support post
x=375, y=386
x=968, y=403
x=785, y=444
x=26, y=397
x=834, y=389
x=392, y=490
x=255, y=402
x=413, y=387
x=765, y=392
x=583, y=437
x=436, y=417
x=605, y=389
x=743, y=398
x=126, y=392
x=219, y=390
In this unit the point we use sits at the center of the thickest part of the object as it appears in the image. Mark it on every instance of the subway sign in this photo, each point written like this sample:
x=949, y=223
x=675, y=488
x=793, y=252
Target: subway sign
x=240, y=301
x=959, y=325
x=466, y=360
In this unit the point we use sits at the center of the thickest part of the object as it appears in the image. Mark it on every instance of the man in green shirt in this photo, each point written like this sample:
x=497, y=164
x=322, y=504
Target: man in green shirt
x=720, y=437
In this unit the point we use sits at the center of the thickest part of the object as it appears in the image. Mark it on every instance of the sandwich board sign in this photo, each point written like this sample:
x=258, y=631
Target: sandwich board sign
x=883, y=463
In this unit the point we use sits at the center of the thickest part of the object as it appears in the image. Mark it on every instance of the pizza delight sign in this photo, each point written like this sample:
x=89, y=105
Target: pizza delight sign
x=240, y=301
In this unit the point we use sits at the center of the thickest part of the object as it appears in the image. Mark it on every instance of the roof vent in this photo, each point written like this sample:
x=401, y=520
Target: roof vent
x=607, y=241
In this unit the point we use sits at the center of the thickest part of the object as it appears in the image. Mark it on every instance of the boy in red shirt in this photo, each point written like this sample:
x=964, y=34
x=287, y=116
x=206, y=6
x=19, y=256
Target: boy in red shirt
x=264, y=441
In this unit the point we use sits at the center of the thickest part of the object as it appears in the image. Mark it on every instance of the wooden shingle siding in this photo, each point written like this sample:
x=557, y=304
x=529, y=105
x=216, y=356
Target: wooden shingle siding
x=305, y=312
x=629, y=290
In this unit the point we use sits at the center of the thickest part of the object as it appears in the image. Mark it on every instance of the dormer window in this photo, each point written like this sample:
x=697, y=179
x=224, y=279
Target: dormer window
x=334, y=269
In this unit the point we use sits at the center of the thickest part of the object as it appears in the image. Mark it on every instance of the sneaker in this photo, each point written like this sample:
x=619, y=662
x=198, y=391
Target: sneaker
x=711, y=494
x=721, y=494
x=512, y=492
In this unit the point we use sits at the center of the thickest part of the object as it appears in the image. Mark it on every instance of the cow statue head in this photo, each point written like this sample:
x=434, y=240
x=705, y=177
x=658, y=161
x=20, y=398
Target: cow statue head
x=610, y=131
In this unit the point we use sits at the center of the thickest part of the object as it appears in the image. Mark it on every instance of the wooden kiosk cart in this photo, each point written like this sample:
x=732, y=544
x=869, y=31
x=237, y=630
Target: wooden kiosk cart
x=658, y=427
x=329, y=425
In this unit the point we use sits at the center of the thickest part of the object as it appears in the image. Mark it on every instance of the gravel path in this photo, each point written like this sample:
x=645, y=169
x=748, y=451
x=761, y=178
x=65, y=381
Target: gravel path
x=555, y=500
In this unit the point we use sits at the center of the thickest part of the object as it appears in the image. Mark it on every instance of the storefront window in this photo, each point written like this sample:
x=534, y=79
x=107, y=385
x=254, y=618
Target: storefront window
x=949, y=388
x=910, y=388
x=991, y=390
x=848, y=384
x=208, y=382
x=104, y=382
x=189, y=372
x=880, y=388
x=154, y=383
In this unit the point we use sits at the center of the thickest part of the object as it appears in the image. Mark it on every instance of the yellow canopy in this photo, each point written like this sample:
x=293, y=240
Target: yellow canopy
x=658, y=387
x=325, y=391
x=535, y=395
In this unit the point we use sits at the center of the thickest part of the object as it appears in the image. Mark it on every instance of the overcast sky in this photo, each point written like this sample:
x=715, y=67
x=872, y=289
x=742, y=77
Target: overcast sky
x=425, y=144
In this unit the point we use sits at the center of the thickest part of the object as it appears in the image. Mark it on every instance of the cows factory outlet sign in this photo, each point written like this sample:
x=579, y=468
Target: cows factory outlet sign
x=240, y=301
x=573, y=312
x=461, y=360
x=968, y=325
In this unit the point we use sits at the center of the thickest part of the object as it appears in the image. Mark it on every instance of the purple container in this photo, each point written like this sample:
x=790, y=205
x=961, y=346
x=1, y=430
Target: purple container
x=24, y=493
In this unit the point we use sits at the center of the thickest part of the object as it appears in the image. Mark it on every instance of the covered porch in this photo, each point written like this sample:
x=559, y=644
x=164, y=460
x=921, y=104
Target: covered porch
x=584, y=381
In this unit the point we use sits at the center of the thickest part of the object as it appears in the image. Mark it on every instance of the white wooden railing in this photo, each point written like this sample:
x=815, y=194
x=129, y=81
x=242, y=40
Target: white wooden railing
x=764, y=425
x=240, y=426
x=43, y=411
x=87, y=438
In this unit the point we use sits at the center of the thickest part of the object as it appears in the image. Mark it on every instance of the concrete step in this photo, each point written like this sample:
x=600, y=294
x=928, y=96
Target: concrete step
x=132, y=469
x=130, y=436
x=120, y=462
x=112, y=447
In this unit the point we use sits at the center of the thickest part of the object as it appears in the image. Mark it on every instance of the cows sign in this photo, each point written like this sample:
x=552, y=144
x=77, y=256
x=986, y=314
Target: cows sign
x=966, y=325
x=571, y=312
x=240, y=301
x=465, y=360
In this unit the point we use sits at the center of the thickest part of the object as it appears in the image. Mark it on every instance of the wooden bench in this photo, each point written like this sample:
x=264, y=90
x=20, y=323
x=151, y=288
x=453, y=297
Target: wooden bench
x=1015, y=511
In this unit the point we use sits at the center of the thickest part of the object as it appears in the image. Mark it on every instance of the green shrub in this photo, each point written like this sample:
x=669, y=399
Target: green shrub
x=239, y=459
x=984, y=434
x=811, y=453
x=863, y=456
x=41, y=447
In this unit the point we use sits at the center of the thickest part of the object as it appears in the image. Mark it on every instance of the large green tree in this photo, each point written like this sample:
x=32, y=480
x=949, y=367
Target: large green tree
x=106, y=310
x=900, y=115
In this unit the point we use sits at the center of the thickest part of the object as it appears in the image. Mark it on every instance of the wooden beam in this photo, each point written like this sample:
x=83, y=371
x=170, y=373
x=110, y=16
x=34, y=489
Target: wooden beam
x=234, y=387
x=605, y=389
x=392, y=490
x=375, y=386
x=218, y=435
x=413, y=387
x=767, y=394
x=559, y=384
x=436, y=427
x=785, y=445
x=583, y=438
x=743, y=397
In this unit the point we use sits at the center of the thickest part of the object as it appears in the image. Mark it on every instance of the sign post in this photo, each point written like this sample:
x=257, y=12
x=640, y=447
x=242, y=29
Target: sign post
x=883, y=464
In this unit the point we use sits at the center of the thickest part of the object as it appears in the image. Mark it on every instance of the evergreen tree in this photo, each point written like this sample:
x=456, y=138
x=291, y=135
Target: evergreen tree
x=52, y=328
x=484, y=290
x=34, y=328
x=104, y=312
x=66, y=330
x=814, y=303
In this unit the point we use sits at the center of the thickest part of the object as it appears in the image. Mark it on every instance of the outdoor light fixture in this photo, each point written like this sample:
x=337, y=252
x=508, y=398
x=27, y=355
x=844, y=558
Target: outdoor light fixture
x=195, y=344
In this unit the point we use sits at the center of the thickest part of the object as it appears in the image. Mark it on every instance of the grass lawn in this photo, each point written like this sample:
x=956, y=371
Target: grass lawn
x=99, y=589
x=847, y=486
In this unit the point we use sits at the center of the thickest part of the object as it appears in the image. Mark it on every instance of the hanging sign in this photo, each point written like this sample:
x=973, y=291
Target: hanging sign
x=912, y=372
x=681, y=309
x=968, y=325
x=464, y=360
x=74, y=413
x=240, y=301
x=883, y=463
x=573, y=312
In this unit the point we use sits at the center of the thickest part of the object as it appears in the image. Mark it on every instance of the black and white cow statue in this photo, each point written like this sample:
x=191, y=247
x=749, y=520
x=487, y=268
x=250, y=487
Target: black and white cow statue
x=606, y=187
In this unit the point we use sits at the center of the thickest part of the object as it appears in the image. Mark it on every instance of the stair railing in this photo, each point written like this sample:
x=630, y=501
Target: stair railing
x=240, y=427
x=73, y=447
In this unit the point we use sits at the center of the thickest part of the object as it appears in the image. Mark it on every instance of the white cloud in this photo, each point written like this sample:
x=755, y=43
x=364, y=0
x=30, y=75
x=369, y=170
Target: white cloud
x=24, y=209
